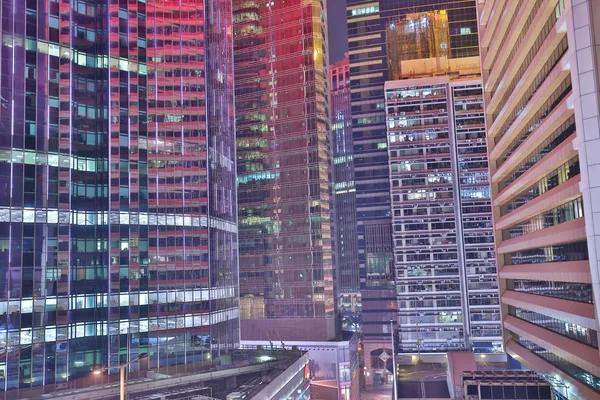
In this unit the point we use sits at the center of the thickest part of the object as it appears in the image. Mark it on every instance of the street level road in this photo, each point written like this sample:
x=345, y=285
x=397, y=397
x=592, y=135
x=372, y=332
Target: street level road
x=378, y=392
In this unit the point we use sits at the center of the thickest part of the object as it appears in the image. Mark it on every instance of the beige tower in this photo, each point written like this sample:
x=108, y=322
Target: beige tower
x=540, y=72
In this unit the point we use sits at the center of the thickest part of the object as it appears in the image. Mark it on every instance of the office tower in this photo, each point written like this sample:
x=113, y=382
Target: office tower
x=117, y=187
x=373, y=40
x=442, y=217
x=344, y=197
x=540, y=73
x=282, y=79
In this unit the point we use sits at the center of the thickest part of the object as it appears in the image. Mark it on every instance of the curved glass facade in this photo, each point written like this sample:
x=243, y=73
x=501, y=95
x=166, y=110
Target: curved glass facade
x=117, y=186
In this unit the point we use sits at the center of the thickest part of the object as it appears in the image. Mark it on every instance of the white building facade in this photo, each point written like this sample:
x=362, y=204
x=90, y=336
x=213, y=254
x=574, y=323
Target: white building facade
x=444, y=253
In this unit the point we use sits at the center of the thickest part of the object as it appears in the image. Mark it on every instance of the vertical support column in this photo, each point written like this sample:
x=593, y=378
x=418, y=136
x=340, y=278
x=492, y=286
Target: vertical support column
x=395, y=372
x=583, y=29
x=462, y=273
x=122, y=381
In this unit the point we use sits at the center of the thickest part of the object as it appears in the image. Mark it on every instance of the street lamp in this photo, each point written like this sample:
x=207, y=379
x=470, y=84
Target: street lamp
x=395, y=374
x=122, y=373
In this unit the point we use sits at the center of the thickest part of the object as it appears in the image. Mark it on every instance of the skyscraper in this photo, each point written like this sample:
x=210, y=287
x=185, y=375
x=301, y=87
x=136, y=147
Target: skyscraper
x=118, y=212
x=344, y=197
x=283, y=150
x=444, y=252
x=376, y=47
x=540, y=73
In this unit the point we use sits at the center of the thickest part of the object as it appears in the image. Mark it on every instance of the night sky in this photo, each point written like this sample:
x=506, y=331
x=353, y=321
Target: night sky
x=338, y=35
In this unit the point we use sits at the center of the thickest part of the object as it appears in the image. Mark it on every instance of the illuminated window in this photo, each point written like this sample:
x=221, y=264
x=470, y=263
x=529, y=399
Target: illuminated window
x=365, y=10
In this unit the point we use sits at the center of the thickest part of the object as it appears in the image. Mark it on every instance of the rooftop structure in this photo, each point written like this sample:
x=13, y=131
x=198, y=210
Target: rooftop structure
x=257, y=374
x=520, y=385
x=334, y=364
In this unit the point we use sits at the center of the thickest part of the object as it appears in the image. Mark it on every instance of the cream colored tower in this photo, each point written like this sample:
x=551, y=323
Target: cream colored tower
x=540, y=63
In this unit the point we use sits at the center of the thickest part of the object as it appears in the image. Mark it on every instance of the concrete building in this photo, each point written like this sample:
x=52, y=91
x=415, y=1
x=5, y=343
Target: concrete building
x=540, y=66
x=482, y=385
x=376, y=46
x=445, y=262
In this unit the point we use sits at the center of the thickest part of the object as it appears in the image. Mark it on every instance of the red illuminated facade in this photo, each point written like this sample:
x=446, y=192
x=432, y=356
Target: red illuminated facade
x=118, y=232
x=286, y=278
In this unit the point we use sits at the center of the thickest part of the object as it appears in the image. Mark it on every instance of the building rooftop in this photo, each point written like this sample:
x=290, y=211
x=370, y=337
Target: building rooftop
x=505, y=377
x=243, y=374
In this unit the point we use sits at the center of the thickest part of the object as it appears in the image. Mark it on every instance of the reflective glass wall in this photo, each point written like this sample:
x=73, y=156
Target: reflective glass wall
x=344, y=198
x=117, y=186
x=283, y=169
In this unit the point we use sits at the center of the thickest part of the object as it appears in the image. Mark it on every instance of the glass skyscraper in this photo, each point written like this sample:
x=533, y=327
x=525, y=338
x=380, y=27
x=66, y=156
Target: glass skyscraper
x=118, y=232
x=344, y=197
x=283, y=150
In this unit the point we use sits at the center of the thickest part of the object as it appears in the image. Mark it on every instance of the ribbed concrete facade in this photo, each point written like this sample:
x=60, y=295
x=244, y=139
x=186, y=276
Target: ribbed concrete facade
x=540, y=63
x=441, y=208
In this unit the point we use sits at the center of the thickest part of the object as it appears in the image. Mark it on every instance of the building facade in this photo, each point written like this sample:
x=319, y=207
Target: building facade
x=375, y=48
x=445, y=262
x=118, y=216
x=505, y=385
x=344, y=198
x=540, y=73
x=283, y=150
